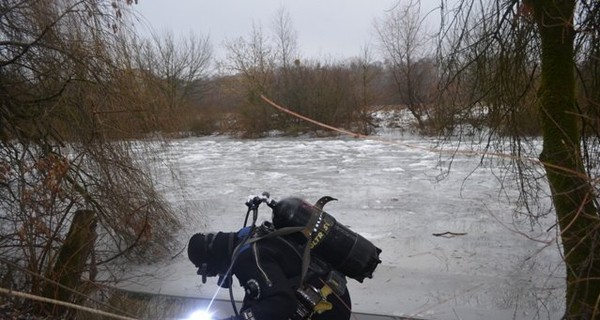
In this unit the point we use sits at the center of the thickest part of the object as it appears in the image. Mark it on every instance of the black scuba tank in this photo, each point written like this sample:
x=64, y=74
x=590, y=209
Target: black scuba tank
x=345, y=250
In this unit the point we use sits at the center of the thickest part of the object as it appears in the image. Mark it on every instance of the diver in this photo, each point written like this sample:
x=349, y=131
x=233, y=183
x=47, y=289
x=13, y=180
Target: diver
x=281, y=275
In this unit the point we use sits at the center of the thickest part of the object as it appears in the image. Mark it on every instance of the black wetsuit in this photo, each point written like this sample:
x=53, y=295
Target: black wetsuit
x=269, y=270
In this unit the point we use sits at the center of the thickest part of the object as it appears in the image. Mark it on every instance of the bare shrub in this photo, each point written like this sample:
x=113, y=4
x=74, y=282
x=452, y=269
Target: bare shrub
x=68, y=108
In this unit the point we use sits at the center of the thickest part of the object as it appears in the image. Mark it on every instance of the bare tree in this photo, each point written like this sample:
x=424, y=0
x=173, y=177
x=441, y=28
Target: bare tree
x=175, y=72
x=531, y=48
x=364, y=74
x=60, y=107
x=263, y=65
x=405, y=44
x=252, y=59
x=286, y=38
x=178, y=63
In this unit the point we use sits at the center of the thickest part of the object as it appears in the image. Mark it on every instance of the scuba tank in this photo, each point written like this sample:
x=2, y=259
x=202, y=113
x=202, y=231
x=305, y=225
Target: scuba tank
x=347, y=251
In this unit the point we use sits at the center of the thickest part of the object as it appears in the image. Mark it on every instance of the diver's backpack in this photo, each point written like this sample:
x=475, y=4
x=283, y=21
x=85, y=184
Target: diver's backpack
x=316, y=291
x=328, y=246
x=334, y=243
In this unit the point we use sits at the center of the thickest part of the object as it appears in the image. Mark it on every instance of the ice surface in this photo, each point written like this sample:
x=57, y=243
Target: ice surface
x=395, y=193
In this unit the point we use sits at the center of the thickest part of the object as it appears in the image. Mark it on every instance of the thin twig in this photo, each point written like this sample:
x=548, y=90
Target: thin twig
x=449, y=234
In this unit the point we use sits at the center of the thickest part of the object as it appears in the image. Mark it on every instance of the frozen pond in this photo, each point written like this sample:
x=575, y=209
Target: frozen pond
x=391, y=193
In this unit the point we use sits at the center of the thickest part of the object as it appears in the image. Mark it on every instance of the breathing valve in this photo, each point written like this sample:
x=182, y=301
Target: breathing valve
x=254, y=201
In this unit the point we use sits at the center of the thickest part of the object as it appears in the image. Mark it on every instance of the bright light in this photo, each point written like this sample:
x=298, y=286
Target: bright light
x=201, y=315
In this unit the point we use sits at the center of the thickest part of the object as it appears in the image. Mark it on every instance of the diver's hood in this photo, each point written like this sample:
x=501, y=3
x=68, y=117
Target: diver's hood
x=211, y=253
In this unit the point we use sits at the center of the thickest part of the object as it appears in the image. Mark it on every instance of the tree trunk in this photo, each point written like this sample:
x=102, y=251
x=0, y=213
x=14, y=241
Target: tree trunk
x=572, y=192
x=71, y=259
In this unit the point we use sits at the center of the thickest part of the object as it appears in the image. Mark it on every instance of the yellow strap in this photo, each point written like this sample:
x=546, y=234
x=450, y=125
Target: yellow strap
x=326, y=291
x=324, y=305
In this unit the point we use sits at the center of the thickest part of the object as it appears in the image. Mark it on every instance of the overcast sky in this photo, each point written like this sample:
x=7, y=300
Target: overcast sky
x=325, y=28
